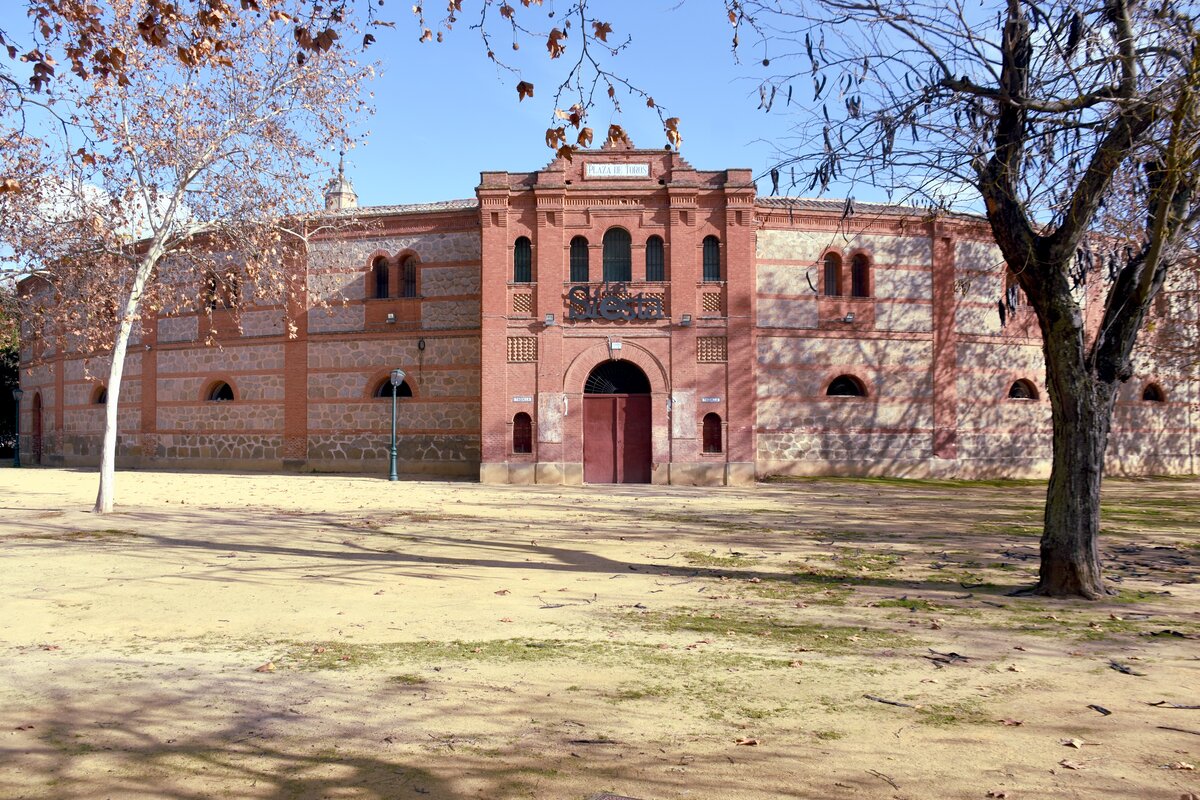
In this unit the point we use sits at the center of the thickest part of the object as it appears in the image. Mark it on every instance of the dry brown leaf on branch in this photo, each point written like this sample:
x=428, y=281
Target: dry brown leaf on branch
x=585, y=138
x=524, y=89
x=554, y=42
x=602, y=30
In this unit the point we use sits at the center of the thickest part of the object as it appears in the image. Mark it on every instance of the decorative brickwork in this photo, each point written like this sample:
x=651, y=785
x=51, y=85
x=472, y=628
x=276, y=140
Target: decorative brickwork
x=710, y=302
x=712, y=349
x=522, y=349
x=522, y=304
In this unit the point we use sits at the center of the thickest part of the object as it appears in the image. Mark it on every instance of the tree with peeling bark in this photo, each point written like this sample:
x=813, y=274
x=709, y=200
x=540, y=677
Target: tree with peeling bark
x=1075, y=122
x=171, y=179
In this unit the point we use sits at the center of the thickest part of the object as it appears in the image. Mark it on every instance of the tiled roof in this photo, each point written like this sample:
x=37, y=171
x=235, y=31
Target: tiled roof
x=859, y=208
x=413, y=208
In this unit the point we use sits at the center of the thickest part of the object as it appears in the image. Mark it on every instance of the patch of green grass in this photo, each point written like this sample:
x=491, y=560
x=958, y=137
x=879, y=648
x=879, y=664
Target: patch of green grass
x=857, y=560
x=640, y=692
x=964, y=712
x=829, y=735
x=698, y=559
x=106, y=534
x=822, y=638
x=911, y=605
x=407, y=679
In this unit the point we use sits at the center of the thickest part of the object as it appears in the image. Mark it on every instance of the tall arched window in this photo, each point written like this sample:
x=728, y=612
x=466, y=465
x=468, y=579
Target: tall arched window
x=1022, y=390
x=860, y=276
x=210, y=292
x=100, y=395
x=1153, y=393
x=381, y=277
x=579, y=260
x=712, y=258
x=618, y=262
x=522, y=260
x=712, y=433
x=832, y=283
x=522, y=433
x=408, y=272
x=655, y=267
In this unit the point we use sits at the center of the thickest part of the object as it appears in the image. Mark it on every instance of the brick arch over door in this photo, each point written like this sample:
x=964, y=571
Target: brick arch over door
x=585, y=362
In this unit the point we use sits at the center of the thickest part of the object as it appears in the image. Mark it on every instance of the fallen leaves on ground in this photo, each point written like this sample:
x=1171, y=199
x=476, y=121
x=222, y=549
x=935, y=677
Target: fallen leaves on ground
x=267, y=667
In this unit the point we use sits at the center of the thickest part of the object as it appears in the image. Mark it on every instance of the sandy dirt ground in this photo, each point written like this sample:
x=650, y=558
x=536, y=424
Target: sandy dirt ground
x=271, y=636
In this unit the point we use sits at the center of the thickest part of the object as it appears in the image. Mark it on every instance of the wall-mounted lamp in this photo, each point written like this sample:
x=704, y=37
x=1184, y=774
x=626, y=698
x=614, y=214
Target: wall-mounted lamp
x=420, y=344
x=848, y=318
x=549, y=320
x=391, y=318
x=614, y=349
x=685, y=321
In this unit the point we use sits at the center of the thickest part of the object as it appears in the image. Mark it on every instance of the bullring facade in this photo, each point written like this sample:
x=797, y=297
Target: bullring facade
x=621, y=317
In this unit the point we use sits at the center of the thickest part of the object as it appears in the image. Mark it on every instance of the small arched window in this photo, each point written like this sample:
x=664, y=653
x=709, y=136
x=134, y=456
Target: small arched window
x=384, y=389
x=711, y=257
x=860, y=276
x=618, y=261
x=100, y=395
x=1153, y=393
x=1022, y=390
x=522, y=433
x=408, y=273
x=846, y=386
x=655, y=263
x=832, y=278
x=380, y=272
x=210, y=292
x=579, y=260
x=712, y=433
x=220, y=392
x=522, y=260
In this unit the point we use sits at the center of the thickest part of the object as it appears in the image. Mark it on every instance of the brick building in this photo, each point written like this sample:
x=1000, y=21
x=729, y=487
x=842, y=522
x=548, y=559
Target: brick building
x=622, y=317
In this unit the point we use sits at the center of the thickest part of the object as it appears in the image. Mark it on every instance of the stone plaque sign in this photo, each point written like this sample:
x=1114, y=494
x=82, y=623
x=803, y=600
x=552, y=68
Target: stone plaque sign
x=599, y=170
x=710, y=399
x=522, y=398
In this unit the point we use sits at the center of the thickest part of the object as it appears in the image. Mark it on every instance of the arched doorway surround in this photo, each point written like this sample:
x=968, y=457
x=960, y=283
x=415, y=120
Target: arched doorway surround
x=624, y=438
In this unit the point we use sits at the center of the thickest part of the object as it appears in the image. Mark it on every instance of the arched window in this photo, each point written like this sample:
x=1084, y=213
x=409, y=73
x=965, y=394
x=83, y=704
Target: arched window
x=1153, y=393
x=860, y=276
x=380, y=270
x=712, y=433
x=210, y=292
x=579, y=260
x=618, y=263
x=655, y=263
x=220, y=392
x=408, y=271
x=522, y=260
x=100, y=395
x=384, y=389
x=846, y=386
x=522, y=433
x=1022, y=390
x=712, y=258
x=832, y=283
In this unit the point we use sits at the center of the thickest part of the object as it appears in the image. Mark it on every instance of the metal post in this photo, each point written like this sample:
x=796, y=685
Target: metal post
x=17, y=393
x=397, y=378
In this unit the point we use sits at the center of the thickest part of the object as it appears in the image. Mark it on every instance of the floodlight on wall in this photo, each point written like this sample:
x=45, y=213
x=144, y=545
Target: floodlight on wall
x=614, y=349
x=391, y=318
x=685, y=321
x=848, y=318
x=549, y=320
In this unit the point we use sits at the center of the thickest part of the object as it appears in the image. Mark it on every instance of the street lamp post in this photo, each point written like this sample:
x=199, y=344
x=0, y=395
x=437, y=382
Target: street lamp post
x=17, y=394
x=397, y=379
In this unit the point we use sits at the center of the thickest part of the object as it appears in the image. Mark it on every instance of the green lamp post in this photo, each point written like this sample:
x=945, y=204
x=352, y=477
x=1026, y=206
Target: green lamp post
x=397, y=379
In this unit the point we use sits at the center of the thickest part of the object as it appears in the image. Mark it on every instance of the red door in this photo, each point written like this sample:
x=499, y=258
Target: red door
x=616, y=438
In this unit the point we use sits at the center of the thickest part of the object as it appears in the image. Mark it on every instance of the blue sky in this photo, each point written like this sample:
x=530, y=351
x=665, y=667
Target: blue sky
x=444, y=112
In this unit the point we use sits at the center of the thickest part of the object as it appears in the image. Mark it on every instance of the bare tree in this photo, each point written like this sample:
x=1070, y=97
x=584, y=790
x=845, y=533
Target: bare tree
x=1076, y=124
x=137, y=184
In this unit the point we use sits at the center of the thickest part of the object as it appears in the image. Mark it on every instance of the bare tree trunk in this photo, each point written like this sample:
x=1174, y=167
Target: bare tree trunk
x=108, y=452
x=1082, y=416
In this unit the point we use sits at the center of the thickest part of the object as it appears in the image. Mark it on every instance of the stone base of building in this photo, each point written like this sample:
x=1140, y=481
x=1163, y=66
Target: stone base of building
x=571, y=474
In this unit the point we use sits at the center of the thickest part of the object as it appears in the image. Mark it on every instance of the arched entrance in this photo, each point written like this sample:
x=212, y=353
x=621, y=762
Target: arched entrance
x=36, y=428
x=616, y=424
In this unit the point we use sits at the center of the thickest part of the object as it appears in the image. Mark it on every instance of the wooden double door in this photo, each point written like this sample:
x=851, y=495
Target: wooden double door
x=616, y=438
